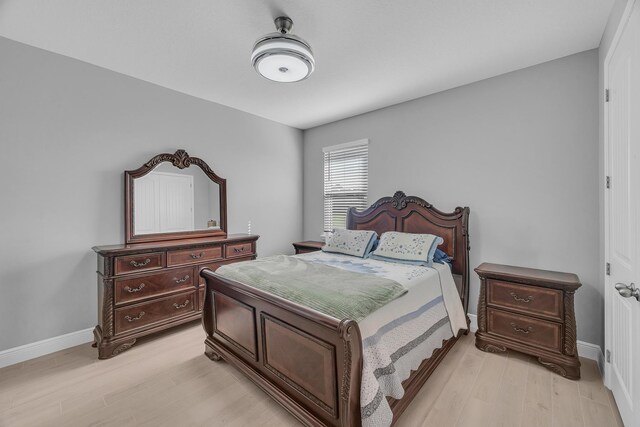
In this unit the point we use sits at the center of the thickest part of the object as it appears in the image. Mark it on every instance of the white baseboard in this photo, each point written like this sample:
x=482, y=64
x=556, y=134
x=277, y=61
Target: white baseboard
x=593, y=352
x=51, y=345
x=473, y=327
x=40, y=348
x=585, y=349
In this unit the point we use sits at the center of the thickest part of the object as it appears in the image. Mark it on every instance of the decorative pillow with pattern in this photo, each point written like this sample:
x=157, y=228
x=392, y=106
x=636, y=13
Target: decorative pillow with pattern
x=350, y=242
x=407, y=248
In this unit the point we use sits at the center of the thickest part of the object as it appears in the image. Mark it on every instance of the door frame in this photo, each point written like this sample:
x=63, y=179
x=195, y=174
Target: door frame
x=607, y=279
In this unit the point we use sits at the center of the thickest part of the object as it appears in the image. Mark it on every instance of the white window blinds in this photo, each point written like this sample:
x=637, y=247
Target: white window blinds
x=346, y=181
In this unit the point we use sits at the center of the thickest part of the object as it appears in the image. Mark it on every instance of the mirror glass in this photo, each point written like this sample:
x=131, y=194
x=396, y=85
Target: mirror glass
x=170, y=200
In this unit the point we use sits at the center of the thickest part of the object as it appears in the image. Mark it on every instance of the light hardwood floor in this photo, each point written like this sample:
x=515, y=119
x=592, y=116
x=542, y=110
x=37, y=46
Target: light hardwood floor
x=167, y=381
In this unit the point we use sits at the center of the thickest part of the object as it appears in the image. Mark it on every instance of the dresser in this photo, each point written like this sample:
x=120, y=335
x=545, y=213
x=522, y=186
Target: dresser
x=147, y=287
x=175, y=225
x=530, y=311
x=307, y=246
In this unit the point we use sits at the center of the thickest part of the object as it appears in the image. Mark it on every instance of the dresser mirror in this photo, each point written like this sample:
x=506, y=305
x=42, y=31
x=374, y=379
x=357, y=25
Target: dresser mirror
x=174, y=196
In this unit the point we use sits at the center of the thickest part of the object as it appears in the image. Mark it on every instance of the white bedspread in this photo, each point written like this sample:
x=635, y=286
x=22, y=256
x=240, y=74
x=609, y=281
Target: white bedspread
x=399, y=336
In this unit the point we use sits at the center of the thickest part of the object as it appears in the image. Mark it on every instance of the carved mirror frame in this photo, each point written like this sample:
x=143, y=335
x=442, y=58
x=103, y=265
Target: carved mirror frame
x=181, y=160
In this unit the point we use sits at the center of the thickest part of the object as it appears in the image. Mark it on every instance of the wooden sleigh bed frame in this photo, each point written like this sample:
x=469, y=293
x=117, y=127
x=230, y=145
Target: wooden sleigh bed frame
x=311, y=363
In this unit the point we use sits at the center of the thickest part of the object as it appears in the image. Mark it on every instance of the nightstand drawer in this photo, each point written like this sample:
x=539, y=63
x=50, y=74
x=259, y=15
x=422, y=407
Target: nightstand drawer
x=307, y=246
x=524, y=329
x=525, y=299
x=305, y=251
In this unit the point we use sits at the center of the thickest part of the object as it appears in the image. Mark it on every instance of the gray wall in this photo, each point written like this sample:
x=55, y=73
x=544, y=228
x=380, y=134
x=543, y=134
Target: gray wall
x=521, y=150
x=68, y=131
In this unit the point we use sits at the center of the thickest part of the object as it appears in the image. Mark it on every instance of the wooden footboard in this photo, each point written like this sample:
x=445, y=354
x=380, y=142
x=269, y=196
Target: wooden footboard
x=308, y=362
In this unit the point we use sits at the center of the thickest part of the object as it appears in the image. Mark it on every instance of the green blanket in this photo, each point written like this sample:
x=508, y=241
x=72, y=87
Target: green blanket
x=338, y=293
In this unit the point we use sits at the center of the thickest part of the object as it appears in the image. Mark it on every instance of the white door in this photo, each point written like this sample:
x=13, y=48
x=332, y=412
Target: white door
x=145, y=193
x=176, y=202
x=622, y=308
x=164, y=203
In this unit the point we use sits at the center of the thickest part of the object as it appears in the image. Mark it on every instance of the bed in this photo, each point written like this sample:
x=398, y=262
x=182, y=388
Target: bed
x=312, y=363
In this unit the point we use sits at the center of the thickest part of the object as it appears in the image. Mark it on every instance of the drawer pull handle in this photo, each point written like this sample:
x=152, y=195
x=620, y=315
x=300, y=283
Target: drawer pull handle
x=521, y=330
x=197, y=256
x=236, y=250
x=133, y=290
x=184, y=279
x=133, y=319
x=520, y=299
x=179, y=306
x=140, y=264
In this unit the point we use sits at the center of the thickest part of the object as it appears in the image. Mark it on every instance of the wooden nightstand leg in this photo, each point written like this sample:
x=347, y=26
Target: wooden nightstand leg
x=569, y=371
x=112, y=349
x=553, y=367
x=489, y=347
x=481, y=344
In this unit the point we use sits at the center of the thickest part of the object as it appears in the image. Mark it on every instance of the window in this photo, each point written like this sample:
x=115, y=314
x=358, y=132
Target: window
x=346, y=181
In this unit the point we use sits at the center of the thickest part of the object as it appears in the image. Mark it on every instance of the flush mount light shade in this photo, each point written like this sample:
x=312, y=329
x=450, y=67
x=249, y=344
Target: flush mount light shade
x=283, y=57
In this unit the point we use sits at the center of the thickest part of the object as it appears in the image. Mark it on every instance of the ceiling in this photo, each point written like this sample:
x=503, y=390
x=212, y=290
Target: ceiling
x=369, y=53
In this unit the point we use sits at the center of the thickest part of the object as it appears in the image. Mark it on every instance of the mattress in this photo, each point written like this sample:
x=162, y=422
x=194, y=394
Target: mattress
x=399, y=336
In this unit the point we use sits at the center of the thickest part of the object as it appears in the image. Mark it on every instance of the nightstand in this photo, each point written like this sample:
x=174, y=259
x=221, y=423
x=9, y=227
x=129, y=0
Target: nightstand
x=307, y=246
x=530, y=311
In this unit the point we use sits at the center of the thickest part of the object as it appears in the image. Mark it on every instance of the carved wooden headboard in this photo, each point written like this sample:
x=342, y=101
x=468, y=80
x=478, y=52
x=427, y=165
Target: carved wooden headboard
x=412, y=214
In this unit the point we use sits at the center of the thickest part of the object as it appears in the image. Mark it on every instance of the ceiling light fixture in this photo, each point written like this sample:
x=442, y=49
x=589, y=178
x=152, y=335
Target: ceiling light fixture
x=281, y=56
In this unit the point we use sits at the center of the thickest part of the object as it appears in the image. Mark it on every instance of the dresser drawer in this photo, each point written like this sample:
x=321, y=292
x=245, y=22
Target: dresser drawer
x=141, y=287
x=525, y=299
x=193, y=256
x=148, y=313
x=201, y=298
x=141, y=262
x=238, y=249
x=214, y=266
x=524, y=329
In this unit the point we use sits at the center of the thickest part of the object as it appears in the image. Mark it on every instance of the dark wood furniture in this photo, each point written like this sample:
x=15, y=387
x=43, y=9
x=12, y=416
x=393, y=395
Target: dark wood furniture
x=153, y=281
x=530, y=311
x=311, y=363
x=307, y=246
x=147, y=287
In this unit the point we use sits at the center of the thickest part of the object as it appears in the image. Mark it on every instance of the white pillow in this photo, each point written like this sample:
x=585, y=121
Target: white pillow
x=407, y=248
x=350, y=242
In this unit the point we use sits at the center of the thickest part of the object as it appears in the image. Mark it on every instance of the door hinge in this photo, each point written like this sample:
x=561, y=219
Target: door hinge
x=608, y=269
x=608, y=182
x=608, y=356
x=606, y=95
